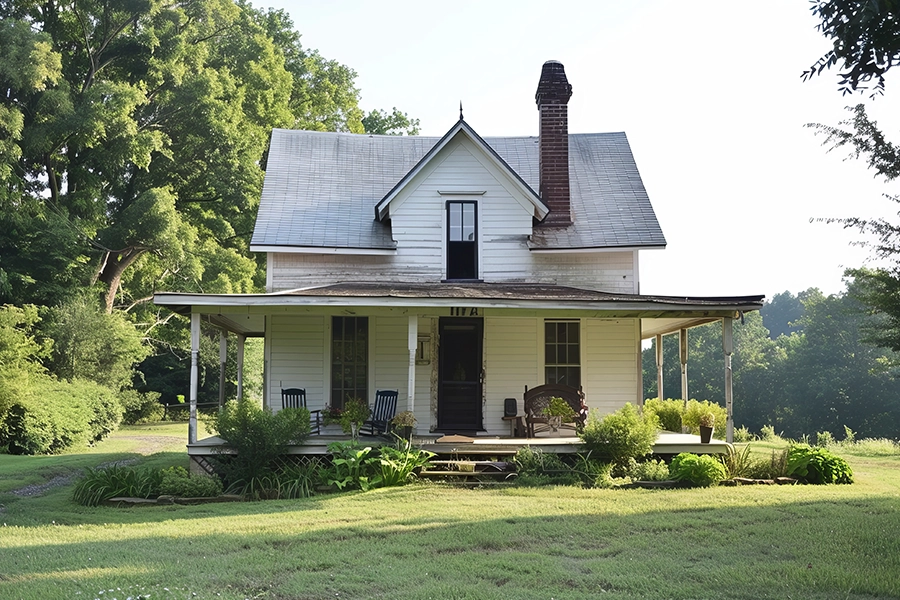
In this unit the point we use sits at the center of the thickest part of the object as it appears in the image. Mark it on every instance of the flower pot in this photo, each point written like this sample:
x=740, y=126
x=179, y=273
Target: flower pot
x=406, y=432
x=354, y=431
x=705, y=434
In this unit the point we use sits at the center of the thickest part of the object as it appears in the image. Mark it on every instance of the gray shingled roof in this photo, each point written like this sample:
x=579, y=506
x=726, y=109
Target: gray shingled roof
x=321, y=188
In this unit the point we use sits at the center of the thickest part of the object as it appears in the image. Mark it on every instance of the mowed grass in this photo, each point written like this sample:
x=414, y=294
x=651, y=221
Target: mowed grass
x=435, y=541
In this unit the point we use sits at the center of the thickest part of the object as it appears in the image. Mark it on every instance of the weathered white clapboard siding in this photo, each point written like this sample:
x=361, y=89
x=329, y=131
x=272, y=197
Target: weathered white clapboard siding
x=609, y=367
x=296, y=357
x=390, y=357
x=511, y=362
x=426, y=380
x=418, y=225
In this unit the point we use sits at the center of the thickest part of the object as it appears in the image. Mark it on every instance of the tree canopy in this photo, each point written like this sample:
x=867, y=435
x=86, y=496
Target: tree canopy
x=865, y=36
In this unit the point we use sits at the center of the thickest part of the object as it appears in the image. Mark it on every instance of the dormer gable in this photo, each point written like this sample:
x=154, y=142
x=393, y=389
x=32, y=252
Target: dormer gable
x=462, y=134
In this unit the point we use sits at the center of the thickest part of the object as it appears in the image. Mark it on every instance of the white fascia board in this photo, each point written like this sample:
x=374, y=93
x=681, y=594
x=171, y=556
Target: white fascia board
x=382, y=209
x=285, y=300
x=593, y=250
x=324, y=250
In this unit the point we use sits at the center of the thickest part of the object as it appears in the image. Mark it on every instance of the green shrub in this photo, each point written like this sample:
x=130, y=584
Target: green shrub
x=817, y=465
x=824, y=439
x=257, y=438
x=742, y=435
x=298, y=480
x=140, y=407
x=695, y=411
x=176, y=481
x=57, y=415
x=872, y=447
x=621, y=435
x=352, y=466
x=700, y=470
x=767, y=433
x=648, y=470
x=594, y=473
x=116, y=481
x=669, y=412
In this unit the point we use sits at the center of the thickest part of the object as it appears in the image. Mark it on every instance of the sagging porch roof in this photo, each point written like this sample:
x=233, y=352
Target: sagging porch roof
x=659, y=314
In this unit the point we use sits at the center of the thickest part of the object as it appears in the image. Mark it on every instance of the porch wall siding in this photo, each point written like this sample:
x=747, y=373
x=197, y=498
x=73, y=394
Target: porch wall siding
x=426, y=380
x=391, y=358
x=511, y=355
x=609, y=367
x=297, y=357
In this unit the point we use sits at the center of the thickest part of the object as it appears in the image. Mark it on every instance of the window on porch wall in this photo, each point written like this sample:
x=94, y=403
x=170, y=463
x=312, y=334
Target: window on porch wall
x=349, y=359
x=562, y=352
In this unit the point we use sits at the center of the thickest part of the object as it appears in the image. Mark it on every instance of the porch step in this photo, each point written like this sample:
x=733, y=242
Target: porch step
x=466, y=469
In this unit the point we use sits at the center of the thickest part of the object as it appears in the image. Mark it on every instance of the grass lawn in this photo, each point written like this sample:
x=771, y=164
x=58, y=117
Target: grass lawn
x=434, y=541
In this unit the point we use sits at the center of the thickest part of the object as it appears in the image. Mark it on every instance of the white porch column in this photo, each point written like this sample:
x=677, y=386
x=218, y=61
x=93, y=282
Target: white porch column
x=659, y=367
x=683, y=354
x=412, y=343
x=240, y=366
x=728, y=347
x=223, y=358
x=195, y=376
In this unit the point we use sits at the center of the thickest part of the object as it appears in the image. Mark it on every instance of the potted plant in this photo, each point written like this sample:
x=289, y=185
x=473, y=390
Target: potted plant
x=353, y=415
x=405, y=422
x=707, y=424
x=558, y=412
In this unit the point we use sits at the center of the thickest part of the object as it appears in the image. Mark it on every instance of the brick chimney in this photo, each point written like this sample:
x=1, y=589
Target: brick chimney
x=552, y=99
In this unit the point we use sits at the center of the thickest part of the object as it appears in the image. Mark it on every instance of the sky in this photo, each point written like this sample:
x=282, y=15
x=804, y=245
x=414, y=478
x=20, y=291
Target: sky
x=709, y=94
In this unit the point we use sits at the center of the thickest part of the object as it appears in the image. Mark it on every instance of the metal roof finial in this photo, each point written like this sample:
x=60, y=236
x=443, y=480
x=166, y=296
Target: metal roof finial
x=460, y=110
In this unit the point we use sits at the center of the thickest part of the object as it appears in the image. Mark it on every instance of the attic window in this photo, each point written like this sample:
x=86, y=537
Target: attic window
x=462, y=241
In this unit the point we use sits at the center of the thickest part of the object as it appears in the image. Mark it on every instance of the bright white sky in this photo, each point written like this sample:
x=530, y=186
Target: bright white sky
x=708, y=92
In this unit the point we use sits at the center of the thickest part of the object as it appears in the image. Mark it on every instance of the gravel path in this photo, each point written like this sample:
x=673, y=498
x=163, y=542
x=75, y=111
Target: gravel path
x=148, y=444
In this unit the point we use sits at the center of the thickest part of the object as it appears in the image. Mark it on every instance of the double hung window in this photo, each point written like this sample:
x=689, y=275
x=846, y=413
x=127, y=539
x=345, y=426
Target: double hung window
x=462, y=240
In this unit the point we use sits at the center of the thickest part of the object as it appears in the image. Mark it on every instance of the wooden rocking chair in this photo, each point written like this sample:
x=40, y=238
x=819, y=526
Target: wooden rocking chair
x=296, y=398
x=383, y=411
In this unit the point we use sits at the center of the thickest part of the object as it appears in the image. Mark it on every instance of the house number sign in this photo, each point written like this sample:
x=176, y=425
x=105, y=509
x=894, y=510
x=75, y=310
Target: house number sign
x=461, y=311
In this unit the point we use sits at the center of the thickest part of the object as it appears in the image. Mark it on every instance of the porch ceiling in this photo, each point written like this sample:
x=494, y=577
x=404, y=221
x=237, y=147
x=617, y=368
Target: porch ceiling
x=245, y=313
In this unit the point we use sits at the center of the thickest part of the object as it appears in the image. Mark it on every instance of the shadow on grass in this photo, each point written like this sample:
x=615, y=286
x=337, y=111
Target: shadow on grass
x=420, y=542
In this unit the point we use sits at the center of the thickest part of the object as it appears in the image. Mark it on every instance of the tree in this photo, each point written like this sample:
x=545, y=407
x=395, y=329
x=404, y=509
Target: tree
x=866, y=41
x=379, y=122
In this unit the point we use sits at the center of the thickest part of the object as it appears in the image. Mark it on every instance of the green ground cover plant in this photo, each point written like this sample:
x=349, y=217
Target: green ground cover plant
x=702, y=470
x=817, y=465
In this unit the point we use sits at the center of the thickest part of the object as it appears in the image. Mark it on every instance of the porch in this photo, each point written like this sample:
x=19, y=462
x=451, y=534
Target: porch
x=668, y=443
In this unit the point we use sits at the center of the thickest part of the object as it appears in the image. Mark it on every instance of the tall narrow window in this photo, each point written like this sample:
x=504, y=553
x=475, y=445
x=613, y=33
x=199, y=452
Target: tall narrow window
x=349, y=359
x=562, y=352
x=462, y=241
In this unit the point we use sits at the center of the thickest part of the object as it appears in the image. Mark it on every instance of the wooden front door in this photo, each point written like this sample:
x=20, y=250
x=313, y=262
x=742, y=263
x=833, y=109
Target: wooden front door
x=460, y=374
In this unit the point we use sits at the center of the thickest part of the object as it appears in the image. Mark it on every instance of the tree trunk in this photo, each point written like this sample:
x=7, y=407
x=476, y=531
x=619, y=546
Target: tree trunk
x=111, y=270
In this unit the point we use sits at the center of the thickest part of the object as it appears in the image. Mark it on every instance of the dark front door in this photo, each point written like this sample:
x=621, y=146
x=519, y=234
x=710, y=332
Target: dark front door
x=459, y=375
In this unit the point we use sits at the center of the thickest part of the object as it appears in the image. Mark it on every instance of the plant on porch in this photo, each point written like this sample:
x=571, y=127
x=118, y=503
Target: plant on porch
x=353, y=415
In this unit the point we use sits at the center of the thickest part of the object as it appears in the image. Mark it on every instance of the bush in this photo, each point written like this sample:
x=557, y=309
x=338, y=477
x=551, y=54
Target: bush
x=176, y=481
x=139, y=408
x=695, y=411
x=257, y=437
x=742, y=435
x=397, y=465
x=116, y=481
x=621, y=435
x=701, y=470
x=817, y=465
x=648, y=470
x=57, y=415
x=767, y=433
x=824, y=439
x=668, y=412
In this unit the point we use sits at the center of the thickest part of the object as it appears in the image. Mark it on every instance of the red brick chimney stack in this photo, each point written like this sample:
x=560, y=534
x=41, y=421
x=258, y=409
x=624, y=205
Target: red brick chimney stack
x=552, y=99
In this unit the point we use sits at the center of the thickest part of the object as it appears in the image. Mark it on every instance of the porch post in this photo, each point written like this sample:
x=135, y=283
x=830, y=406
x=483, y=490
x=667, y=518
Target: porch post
x=728, y=347
x=240, y=367
x=683, y=353
x=195, y=376
x=223, y=358
x=412, y=342
x=659, y=367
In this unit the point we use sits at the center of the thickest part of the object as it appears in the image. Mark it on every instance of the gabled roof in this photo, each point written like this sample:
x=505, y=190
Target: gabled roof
x=321, y=189
x=463, y=128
